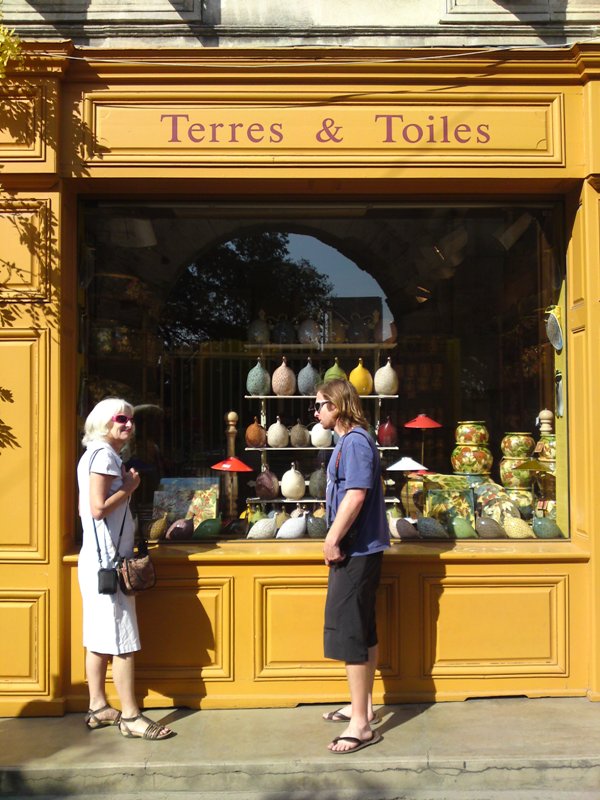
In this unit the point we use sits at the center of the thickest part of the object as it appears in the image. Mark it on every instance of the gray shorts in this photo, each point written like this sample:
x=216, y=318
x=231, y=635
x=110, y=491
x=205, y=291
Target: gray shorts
x=350, y=627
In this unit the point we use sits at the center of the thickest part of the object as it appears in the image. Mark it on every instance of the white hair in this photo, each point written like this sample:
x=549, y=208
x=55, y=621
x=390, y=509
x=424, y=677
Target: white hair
x=99, y=420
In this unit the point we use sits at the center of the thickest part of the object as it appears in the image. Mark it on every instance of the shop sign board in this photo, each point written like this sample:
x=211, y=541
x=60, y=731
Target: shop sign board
x=137, y=128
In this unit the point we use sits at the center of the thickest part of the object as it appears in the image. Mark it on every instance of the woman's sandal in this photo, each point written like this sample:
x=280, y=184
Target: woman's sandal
x=93, y=721
x=154, y=730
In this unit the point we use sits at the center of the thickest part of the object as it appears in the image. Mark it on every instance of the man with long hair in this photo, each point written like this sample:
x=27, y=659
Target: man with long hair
x=353, y=549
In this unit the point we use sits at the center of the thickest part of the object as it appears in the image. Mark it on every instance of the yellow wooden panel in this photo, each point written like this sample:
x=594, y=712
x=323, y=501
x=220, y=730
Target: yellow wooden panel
x=289, y=627
x=28, y=133
x=22, y=494
x=25, y=259
x=194, y=619
x=24, y=631
x=494, y=626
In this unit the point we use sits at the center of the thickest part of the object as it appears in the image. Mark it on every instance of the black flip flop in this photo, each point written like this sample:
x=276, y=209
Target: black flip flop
x=360, y=743
x=338, y=716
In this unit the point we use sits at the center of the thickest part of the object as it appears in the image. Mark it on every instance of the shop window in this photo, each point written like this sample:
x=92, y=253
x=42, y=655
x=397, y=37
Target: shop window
x=179, y=301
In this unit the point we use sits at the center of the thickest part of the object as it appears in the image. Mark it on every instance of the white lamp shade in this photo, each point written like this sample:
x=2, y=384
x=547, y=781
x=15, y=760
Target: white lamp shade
x=406, y=464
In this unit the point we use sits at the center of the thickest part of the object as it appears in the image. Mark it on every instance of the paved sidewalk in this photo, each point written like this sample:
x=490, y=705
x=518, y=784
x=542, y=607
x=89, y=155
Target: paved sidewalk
x=473, y=750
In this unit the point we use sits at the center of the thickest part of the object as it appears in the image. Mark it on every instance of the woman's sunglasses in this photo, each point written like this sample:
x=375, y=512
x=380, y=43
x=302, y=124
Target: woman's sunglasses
x=122, y=419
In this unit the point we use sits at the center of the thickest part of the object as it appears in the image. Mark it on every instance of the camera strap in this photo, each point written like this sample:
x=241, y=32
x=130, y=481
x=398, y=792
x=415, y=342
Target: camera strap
x=117, y=557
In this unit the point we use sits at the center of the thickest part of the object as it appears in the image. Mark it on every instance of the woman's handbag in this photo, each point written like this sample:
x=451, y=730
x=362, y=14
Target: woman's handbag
x=137, y=573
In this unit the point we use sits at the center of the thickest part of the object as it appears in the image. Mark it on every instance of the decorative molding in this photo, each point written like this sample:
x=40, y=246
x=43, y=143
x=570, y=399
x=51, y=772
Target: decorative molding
x=27, y=125
x=24, y=522
x=25, y=259
x=24, y=656
x=522, y=626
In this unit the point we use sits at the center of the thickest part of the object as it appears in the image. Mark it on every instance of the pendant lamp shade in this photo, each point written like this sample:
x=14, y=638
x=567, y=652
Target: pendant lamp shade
x=423, y=422
x=232, y=464
x=406, y=464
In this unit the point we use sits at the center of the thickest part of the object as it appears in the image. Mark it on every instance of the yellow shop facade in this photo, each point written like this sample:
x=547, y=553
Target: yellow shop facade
x=157, y=210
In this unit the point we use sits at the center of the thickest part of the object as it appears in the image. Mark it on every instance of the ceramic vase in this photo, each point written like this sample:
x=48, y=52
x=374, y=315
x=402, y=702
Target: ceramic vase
x=472, y=432
x=358, y=329
x=335, y=372
x=267, y=484
x=299, y=435
x=309, y=332
x=317, y=483
x=278, y=435
x=258, y=380
x=320, y=436
x=283, y=380
x=387, y=434
x=475, y=459
x=515, y=445
x=361, y=378
x=513, y=477
x=386, y=379
x=283, y=332
x=548, y=451
x=258, y=330
x=256, y=435
x=308, y=379
x=292, y=484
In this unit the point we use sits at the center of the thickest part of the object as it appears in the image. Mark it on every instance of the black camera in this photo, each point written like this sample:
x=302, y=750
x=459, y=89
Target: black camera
x=107, y=580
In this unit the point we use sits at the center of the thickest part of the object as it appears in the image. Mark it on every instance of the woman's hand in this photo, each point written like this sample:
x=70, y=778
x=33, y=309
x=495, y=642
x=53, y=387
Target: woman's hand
x=131, y=481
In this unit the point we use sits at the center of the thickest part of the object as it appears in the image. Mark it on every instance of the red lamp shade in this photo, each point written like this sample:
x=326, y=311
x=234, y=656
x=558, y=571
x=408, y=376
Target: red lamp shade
x=422, y=421
x=232, y=464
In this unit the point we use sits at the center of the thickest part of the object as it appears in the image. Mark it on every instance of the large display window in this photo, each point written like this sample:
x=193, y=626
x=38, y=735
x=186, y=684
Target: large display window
x=448, y=318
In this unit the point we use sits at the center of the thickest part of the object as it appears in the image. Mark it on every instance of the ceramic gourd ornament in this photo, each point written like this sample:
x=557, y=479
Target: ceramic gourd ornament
x=387, y=434
x=283, y=332
x=283, y=380
x=208, y=528
x=299, y=435
x=293, y=528
x=267, y=484
x=258, y=381
x=316, y=527
x=292, y=484
x=386, y=379
x=320, y=511
x=256, y=435
x=255, y=513
x=278, y=435
x=308, y=379
x=280, y=518
x=335, y=372
x=317, y=482
x=361, y=378
x=258, y=330
x=358, y=329
x=263, y=529
x=309, y=332
x=320, y=436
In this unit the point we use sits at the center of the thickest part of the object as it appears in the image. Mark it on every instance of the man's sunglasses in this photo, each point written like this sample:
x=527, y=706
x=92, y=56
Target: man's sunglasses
x=319, y=405
x=122, y=419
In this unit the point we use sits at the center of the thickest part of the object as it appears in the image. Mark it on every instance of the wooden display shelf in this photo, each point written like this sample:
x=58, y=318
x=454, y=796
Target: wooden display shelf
x=312, y=396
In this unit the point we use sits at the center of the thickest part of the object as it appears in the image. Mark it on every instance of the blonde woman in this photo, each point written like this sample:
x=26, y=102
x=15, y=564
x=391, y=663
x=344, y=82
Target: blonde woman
x=110, y=629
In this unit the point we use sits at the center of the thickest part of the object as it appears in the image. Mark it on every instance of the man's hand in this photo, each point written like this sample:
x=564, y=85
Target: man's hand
x=332, y=552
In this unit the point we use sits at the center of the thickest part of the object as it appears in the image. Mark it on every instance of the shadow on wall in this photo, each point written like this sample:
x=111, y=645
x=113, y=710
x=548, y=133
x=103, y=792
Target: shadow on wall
x=83, y=21
x=545, y=18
